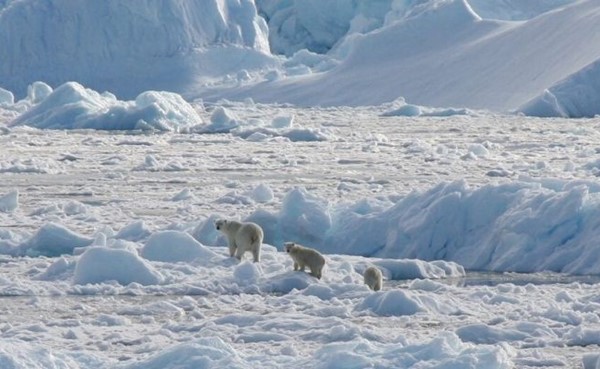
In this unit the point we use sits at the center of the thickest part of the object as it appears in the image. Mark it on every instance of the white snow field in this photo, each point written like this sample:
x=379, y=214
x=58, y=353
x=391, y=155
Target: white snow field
x=110, y=256
x=433, y=139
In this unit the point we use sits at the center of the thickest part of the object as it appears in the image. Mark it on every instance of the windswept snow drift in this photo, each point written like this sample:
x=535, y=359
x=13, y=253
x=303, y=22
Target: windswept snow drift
x=515, y=10
x=576, y=96
x=443, y=54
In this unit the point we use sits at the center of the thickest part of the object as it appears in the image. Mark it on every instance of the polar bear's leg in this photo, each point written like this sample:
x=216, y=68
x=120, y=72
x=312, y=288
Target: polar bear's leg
x=316, y=272
x=256, y=254
x=240, y=252
x=232, y=246
x=377, y=285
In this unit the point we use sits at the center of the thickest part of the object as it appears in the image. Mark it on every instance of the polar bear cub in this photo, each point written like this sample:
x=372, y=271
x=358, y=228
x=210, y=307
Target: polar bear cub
x=305, y=256
x=373, y=278
x=241, y=237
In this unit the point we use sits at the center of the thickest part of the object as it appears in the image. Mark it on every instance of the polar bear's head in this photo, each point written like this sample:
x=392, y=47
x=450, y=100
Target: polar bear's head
x=221, y=224
x=289, y=246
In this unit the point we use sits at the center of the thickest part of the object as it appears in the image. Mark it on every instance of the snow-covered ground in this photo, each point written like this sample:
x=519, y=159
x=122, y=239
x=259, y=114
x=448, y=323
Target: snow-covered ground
x=111, y=259
x=391, y=133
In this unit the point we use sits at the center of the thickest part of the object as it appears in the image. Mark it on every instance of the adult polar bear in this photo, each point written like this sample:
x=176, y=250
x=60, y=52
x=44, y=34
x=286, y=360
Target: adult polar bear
x=241, y=237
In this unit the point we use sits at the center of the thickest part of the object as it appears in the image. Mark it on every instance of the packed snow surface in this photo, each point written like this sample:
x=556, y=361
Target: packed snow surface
x=110, y=257
x=387, y=133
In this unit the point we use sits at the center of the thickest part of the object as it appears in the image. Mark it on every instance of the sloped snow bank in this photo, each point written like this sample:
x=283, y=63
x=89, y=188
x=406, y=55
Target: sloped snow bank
x=576, y=96
x=515, y=10
x=442, y=53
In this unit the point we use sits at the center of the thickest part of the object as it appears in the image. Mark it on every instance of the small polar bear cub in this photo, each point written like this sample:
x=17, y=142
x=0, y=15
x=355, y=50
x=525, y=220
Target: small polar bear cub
x=305, y=256
x=373, y=278
x=241, y=237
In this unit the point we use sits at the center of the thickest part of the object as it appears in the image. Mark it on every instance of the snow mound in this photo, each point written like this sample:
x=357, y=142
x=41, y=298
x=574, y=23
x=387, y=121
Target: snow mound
x=72, y=106
x=484, y=334
x=173, y=246
x=391, y=303
x=54, y=240
x=101, y=264
x=445, y=350
x=287, y=282
x=206, y=352
x=134, y=231
x=247, y=273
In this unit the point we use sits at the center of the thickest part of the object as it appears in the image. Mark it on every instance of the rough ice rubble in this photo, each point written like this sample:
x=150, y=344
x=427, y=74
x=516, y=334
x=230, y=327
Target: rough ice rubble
x=402, y=109
x=72, y=106
x=354, y=353
x=523, y=227
x=318, y=25
x=223, y=120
